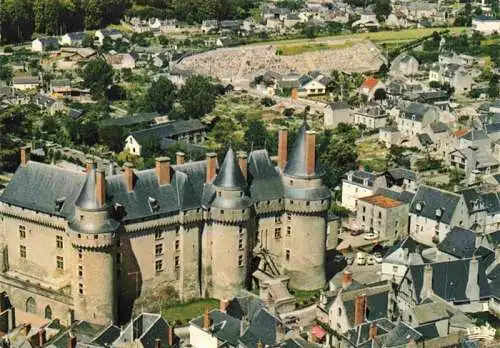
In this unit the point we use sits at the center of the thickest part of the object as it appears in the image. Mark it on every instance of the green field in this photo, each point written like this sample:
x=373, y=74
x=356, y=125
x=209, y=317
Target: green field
x=292, y=50
x=187, y=311
x=372, y=155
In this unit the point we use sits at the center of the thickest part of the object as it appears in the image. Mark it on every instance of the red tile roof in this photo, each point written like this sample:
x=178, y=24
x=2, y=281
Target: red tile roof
x=461, y=132
x=370, y=83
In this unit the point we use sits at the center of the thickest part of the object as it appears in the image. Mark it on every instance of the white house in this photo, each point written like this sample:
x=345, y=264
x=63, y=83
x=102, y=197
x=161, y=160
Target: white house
x=358, y=184
x=370, y=86
x=373, y=117
x=314, y=83
x=25, y=82
x=121, y=61
x=112, y=34
x=404, y=65
x=335, y=113
x=46, y=44
x=486, y=25
x=415, y=117
x=73, y=39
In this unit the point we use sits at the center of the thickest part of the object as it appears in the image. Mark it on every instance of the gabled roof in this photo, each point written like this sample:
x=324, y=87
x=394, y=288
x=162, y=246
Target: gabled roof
x=474, y=134
x=402, y=173
x=424, y=139
x=459, y=242
x=224, y=327
x=439, y=127
x=230, y=176
x=405, y=252
x=491, y=202
x=377, y=299
x=416, y=110
x=264, y=179
x=168, y=130
x=400, y=335
x=370, y=83
x=429, y=202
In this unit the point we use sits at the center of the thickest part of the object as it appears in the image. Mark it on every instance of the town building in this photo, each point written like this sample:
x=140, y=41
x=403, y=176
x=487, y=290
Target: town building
x=404, y=65
x=112, y=34
x=337, y=112
x=44, y=44
x=415, y=117
x=73, y=39
x=23, y=83
x=371, y=116
x=90, y=241
x=486, y=25
x=358, y=184
x=370, y=87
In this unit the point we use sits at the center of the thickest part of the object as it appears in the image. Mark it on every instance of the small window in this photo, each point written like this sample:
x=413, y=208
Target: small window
x=22, y=251
x=177, y=245
x=158, y=249
x=22, y=231
x=96, y=236
x=364, y=209
x=339, y=311
x=222, y=212
x=158, y=234
x=277, y=219
x=59, y=242
x=289, y=217
x=288, y=230
x=277, y=233
x=287, y=254
x=80, y=288
x=159, y=265
x=380, y=215
x=60, y=262
x=240, y=261
x=240, y=244
x=79, y=235
x=308, y=203
x=80, y=271
x=80, y=253
x=177, y=231
x=291, y=182
x=177, y=262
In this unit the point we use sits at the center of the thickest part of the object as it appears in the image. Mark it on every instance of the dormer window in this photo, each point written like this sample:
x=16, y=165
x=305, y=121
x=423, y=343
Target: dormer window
x=153, y=204
x=439, y=212
x=59, y=203
x=419, y=207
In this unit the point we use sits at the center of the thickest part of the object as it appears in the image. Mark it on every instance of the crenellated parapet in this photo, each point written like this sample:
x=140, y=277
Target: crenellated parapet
x=229, y=216
x=270, y=207
x=301, y=207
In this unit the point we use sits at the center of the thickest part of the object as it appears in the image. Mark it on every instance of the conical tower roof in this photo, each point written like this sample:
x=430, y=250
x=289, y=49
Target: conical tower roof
x=230, y=175
x=87, y=199
x=296, y=165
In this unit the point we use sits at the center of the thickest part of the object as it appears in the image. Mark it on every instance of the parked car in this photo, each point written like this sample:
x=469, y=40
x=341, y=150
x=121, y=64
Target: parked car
x=371, y=236
x=369, y=260
x=356, y=233
x=378, y=257
x=361, y=258
x=349, y=259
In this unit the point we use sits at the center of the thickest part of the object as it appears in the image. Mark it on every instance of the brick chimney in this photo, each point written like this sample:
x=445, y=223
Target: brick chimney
x=346, y=279
x=129, y=176
x=211, y=166
x=171, y=335
x=243, y=162
x=206, y=319
x=180, y=157
x=373, y=331
x=282, y=148
x=310, y=152
x=42, y=337
x=223, y=304
x=163, y=170
x=25, y=155
x=100, y=187
x=157, y=343
x=72, y=341
x=427, y=282
x=360, y=309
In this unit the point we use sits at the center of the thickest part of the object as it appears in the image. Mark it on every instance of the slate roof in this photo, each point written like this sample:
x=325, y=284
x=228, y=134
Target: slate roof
x=473, y=200
x=296, y=165
x=262, y=328
x=431, y=200
x=169, y=130
x=459, y=242
x=400, y=335
x=424, y=139
x=264, y=179
x=439, y=127
x=230, y=176
x=429, y=312
x=415, y=109
x=475, y=134
x=409, y=244
x=359, y=335
x=402, y=173
x=224, y=327
x=492, y=128
x=428, y=331
x=377, y=299
x=76, y=36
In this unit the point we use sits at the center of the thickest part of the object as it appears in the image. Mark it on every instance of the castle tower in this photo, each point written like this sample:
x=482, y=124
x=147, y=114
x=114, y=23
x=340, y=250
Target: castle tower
x=92, y=233
x=229, y=213
x=306, y=204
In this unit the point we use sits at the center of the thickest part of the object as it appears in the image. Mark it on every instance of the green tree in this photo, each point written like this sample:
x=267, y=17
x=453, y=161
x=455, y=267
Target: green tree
x=493, y=87
x=112, y=136
x=197, y=96
x=382, y=8
x=88, y=41
x=17, y=20
x=94, y=14
x=97, y=75
x=256, y=134
x=6, y=74
x=161, y=95
x=339, y=157
x=151, y=147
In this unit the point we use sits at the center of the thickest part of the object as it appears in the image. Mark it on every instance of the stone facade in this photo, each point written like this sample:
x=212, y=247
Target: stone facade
x=98, y=248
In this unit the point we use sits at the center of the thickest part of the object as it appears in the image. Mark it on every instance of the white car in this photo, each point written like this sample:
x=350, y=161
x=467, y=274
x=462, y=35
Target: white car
x=371, y=236
x=378, y=257
x=370, y=260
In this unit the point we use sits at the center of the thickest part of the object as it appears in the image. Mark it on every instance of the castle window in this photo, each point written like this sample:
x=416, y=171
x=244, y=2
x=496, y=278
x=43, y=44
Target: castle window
x=291, y=202
x=288, y=230
x=240, y=244
x=22, y=231
x=22, y=251
x=177, y=262
x=80, y=271
x=339, y=311
x=219, y=193
x=222, y=212
x=277, y=219
x=308, y=203
x=31, y=305
x=80, y=253
x=59, y=242
x=48, y=313
x=80, y=288
x=289, y=217
x=158, y=234
x=380, y=215
x=79, y=235
x=277, y=233
x=364, y=209
x=291, y=182
x=96, y=236
x=159, y=265
x=287, y=254
x=241, y=230
x=177, y=229
x=60, y=262
x=240, y=261
x=177, y=244
x=158, y=249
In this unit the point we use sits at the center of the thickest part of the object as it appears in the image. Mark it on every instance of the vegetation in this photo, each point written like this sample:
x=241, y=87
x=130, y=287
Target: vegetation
x=97, y=75
x=182, y=313
x=294, y=49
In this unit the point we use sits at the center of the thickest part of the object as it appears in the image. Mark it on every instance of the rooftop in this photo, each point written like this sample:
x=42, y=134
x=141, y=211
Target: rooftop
x=381, y=201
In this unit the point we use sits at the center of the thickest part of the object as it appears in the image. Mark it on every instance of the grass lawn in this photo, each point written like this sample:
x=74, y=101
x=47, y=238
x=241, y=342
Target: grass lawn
x=187, y=311
x=372, y=155
x=291, y=50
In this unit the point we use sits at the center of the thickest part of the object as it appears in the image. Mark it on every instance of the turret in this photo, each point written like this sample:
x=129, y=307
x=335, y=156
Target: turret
x=306, y=205
x=92, y=233
x=230, y=213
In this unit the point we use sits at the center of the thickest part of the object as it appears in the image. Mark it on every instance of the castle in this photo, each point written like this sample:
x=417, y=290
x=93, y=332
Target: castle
x=90, y=246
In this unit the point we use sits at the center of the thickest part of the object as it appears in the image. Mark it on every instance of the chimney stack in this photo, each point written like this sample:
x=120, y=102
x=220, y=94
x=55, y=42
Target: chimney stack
x=373, y=331
x=427, y=282
x=100, y=187
x=129, y=176
x=472, y=289
x=310, y=152
x=171, y=335
x=163, y=170
x=282, y=148
x=72, y=341
x=223, y=304
x=360, y=309
x=180, y=157
x=157, y=343
x=25, y=155
x=243, y=162
x=42, y=338
x=211, y=166
x=206, y=319
x=346, y=279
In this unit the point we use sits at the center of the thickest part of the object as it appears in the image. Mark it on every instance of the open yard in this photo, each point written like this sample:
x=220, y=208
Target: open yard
x=372, y=155
x=184, y=312
x=291, y=50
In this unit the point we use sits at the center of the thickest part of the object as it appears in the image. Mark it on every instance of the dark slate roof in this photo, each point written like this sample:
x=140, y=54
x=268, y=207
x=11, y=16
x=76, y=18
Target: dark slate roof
x=402, y=173
x=262, y=328
x=224, y=327
x=473, y=200
x=424, y=139
x=341, y=105
x=428, y=331
x=415, y=109
x=107, y=336
x=475, y=134
x=360, y=334
x=407, y=244
x=296, y=165
x=431, y=199
x=130, y=119
x=78, y=35
x=377, y=306
x=449, y=280
x=492, y=128
x=230, y=176
x=244, y=306
x=491, y=202
x=439, y=127
x=169, y=130
x=459, y=242
x=400, y=335
x=264, y=179
x=494, y=237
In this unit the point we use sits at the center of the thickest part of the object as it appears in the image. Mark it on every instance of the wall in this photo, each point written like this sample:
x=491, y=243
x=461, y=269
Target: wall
x=352, y=191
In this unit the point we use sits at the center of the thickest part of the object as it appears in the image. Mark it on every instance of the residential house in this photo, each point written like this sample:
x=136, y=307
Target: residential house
x=60, y=86
x=434, y=212
x=73, y=39
x=372, y=116
x=389, y=135
x=189, y=131
x=474, y=160
x=44, y=44
x=486, y=25
x=402, y=179
x=452, y=74
x=476, y=138
x=492, y=204
x=314, y=83
x=169, y=26
x=230, y=26
x=418, y=10
x=397, y=19
x=414, y=117
x=404, y=65
x=209, y=26
x=121, y=61
x=12, y=96
x=337, y=112
x=399, y=257
x=368, y=21
x=291, y=20
x=112, y=34
x=370, y=86
x=441, y=138
x=383, y=215
x=179, y=76
x=25, y=82
x=358, y=184
x=52, y=105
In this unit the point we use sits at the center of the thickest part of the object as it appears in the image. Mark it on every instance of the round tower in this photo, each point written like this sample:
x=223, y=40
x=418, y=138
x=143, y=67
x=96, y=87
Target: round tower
x=230, y=213
x=92, y=231
x=306, y=205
